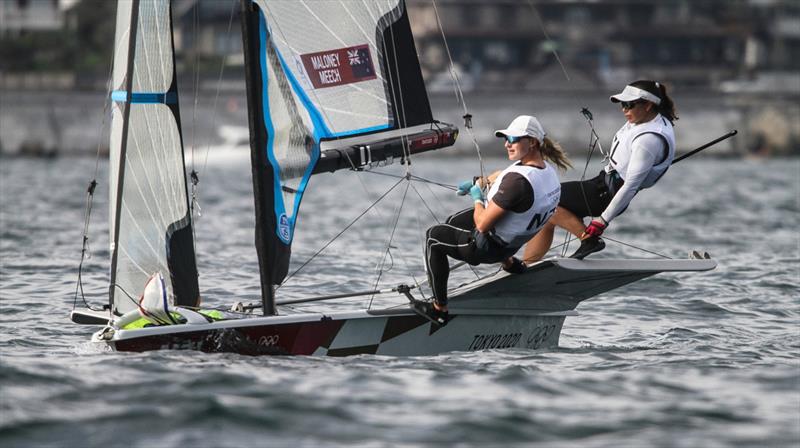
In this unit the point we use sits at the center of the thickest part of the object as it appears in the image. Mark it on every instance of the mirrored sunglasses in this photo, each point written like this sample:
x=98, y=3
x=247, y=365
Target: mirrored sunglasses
x=628, y=105
x=511, y=140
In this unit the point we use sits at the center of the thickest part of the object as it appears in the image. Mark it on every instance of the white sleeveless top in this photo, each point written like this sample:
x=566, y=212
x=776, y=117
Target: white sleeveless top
x=515, y=229
x=622, y=145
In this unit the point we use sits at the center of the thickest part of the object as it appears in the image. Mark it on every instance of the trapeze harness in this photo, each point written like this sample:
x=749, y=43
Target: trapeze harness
x=622, y=151
x=513, y=230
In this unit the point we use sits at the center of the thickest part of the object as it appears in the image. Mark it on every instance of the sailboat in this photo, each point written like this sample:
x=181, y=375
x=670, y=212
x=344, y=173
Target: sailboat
x=331, y=86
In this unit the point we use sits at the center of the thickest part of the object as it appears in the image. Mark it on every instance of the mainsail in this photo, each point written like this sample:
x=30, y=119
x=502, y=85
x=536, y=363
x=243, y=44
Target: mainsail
x=150, y=222
x=321, y=75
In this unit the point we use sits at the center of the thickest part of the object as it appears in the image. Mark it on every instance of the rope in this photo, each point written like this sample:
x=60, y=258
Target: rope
x=387, y=252
x=219, y=83
x=594, y=142
x=85, y=249
x=196, y=210
x=459, y=93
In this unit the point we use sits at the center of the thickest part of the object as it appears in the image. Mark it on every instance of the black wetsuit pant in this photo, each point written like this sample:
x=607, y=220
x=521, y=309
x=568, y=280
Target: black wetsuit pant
x=459, y=239
x=589, y=197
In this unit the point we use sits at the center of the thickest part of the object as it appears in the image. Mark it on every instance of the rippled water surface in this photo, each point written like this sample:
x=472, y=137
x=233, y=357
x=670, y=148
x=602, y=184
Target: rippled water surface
x=701, y=360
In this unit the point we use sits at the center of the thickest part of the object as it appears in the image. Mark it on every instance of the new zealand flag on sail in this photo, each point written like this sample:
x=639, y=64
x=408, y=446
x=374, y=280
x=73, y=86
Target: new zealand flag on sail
x=337, y=67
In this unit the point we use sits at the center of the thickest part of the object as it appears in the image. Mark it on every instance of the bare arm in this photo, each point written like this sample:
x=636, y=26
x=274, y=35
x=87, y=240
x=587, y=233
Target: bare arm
x=486, y=217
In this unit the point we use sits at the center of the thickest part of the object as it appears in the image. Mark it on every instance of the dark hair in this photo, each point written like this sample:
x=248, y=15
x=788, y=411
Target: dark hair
x=667, y=106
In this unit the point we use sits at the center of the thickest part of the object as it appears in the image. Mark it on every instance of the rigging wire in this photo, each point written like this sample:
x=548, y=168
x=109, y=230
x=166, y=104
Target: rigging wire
x=389, y=242
x=86, y=252
x=549, y=41
x=459, y=92
x=219, y=84
x=195, y=35
x=594, y=143
x=194, y=175
x=411, y=177
x=637, y=247
x=325, y=246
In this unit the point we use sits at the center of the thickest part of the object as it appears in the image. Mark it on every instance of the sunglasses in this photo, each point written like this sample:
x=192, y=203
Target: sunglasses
x=511, y=140
x=628, y=105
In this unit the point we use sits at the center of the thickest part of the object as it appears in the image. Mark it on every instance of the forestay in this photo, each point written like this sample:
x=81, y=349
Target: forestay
x=150, y=220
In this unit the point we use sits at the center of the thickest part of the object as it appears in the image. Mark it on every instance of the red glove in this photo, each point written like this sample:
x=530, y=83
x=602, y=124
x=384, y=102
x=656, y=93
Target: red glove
x=595, y=228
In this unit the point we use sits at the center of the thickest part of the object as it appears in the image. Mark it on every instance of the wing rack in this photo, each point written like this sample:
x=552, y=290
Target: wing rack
x=367, y=151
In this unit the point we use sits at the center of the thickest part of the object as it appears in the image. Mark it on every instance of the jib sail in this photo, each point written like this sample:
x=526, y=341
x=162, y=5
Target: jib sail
x=150, y=221
x=321, y=74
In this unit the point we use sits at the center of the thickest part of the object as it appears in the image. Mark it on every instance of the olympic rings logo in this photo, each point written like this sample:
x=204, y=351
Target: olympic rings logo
x=269, y=341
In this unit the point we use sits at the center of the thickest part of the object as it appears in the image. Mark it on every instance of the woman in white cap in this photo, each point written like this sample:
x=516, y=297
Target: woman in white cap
x=520, y=201
x=641, y=152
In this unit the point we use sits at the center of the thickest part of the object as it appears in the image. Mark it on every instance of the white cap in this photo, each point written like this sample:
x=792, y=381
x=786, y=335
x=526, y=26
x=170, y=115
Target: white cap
x=523, y=126
x=631, y=93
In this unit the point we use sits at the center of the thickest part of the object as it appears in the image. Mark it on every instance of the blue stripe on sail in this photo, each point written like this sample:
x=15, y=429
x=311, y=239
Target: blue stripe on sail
x=121, y=96
x=277, y=200
x=320, y=130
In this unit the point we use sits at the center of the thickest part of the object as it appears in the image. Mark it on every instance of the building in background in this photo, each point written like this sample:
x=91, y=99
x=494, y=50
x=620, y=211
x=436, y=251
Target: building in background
x=22, y=16
x=733, y=63
x=501, y=43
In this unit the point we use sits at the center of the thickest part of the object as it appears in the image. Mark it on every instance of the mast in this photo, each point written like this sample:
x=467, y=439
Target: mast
x=126, y=112
x=268, y=249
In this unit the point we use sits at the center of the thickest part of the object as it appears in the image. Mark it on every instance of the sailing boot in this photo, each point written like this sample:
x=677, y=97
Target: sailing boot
x=439, y=312
x=589, y=245
x=514, y=265
x=432, y=311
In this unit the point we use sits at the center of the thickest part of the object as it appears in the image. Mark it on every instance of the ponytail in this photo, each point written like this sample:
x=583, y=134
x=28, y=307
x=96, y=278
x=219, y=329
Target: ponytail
x=553, y=152
x=667, y=107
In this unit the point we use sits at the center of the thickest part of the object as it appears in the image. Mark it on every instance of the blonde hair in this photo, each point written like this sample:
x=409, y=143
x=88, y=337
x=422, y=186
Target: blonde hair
x=553, y=152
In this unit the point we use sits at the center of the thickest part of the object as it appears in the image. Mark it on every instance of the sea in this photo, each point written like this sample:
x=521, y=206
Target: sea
x=706, y=359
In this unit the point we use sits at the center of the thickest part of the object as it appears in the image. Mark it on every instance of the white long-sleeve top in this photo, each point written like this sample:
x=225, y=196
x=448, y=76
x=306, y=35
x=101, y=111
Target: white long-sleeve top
x=646, y=151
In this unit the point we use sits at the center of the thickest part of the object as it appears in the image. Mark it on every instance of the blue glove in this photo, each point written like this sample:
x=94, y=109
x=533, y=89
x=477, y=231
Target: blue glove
x=476, y=193
x=463, y=187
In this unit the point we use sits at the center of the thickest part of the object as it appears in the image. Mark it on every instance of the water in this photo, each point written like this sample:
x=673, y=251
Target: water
x=701, y=360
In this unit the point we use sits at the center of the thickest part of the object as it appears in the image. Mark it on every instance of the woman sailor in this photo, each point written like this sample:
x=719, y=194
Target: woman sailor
x=519, y=203
x=641, y=152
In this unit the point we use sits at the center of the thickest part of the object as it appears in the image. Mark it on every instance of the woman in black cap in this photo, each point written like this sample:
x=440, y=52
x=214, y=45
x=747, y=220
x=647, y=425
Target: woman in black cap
x=641, y=152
